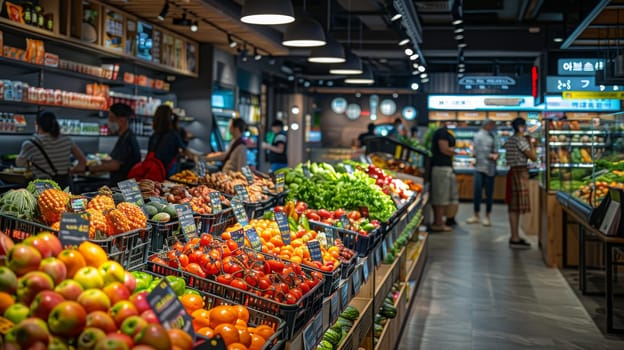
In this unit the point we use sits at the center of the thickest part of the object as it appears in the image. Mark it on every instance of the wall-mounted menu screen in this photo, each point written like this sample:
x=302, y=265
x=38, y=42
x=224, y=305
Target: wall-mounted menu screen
x=144, y=41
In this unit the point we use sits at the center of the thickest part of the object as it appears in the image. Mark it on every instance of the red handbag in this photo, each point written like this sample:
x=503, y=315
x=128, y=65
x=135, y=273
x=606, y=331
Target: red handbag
x=150, y=168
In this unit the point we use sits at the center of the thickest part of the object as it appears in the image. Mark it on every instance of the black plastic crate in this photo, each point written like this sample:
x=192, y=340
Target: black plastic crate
x=352, y=240
x=215, y=223
x=295, y=315
x=162, y=233
x=347, y=267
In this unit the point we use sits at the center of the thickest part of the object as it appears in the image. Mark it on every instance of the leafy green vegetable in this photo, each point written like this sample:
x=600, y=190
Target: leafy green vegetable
x=19, y=203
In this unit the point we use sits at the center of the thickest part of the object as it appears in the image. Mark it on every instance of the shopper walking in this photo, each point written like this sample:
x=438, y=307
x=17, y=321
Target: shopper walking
x=519, y=150
x=48, y=152
x=444, y=196
x=235, y=158
x=277, y=149
x=486, y=154
x=166, y=142
x=126, y=152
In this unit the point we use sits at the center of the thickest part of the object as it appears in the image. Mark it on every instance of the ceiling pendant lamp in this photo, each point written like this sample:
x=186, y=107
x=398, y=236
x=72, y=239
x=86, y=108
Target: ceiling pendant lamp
x=352, y=66
x=332, y=52
x=304, y=32
x=264, y=12
x=365, y=78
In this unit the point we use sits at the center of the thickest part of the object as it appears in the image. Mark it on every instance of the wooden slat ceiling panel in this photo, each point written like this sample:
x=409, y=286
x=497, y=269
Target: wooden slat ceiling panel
x=149, y=9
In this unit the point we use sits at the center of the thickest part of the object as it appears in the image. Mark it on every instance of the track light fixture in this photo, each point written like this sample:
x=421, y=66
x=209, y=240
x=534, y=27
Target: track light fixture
x=421, y=68
x=404, y=42
x=164, y=11
x=257, y=55
x=461, y=44
x=414, y=57
x=458, y=29
x=395, y=17
x=231, y=42
x=195, y=26
x=409, y=52
x=182, y=21
x=457, y=12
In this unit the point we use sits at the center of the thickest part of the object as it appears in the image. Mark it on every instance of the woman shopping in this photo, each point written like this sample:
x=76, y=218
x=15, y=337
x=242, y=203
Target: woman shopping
x=166, y=142
x=236, y=155
x=49, y=152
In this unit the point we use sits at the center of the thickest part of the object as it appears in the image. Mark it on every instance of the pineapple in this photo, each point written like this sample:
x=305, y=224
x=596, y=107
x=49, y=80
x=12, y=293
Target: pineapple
x=52, y=203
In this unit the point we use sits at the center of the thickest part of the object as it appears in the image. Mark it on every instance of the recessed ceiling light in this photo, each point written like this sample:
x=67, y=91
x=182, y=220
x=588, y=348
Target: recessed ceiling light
x=409, y=52
x=404, y=42
x=423, y=75
x=459, y=37
x=414, y=57
x=414, y=86
x=558, y=39
x=426, y=80
x=458, y=30
x=421, y=68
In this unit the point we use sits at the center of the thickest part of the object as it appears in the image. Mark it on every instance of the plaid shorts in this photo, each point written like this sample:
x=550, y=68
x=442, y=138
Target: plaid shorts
x=517, y=194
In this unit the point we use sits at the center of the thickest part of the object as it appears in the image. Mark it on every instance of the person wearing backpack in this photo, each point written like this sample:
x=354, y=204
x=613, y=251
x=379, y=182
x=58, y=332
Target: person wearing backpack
x=49, y=152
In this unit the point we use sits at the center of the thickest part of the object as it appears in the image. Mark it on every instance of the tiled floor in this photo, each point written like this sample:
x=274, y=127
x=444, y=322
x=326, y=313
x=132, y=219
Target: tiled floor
x=479, y=294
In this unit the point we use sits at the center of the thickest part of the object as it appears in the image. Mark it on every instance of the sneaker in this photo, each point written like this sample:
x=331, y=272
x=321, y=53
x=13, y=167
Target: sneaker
x=441, y=228
x=473, y=220
x=486, y=222
x=450, y=222
x=521, y=244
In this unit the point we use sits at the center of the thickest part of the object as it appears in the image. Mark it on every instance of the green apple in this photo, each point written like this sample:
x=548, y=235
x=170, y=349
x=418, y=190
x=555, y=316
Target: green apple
x=17, y=313
x=89, y=277
x=89, y=338
x=112, y=271
x=132, y=325
x=94, y=300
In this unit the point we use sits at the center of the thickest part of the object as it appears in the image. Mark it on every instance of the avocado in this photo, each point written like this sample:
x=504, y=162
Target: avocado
x=151, y=210
x=171, y=210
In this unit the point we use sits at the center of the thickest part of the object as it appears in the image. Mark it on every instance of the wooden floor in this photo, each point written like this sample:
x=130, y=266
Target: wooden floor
x=479, y=294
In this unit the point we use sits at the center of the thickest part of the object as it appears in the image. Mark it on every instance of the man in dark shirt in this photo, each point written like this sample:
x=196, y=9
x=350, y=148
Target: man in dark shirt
x=126, y=152
x=369, y=133
x=277, y=149
x=443, y=182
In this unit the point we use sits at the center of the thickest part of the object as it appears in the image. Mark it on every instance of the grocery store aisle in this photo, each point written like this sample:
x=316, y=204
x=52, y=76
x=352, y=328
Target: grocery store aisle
x=479, y=294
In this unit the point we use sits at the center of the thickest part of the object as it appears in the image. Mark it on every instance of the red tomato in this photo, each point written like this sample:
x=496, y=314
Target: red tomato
x=231, y=244
x=205, y=239
x=196, y=256
x=339, y=212
x=313, y=216
x=195, y=269
x=239, y=283
x=300, y=207
x=279, y=208
x=183, y=259
x=305, y=287
x=225, y=278
x=291, y=299
x=158, y=260
x=276, y=266
x=264, y=283
x=354, y=215
x=296, y=292
x=324, y=213
x=177, y=246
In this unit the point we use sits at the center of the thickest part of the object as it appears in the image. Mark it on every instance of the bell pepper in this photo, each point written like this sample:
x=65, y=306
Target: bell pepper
x=178, y=284
x=143, y=280
x=190, y=291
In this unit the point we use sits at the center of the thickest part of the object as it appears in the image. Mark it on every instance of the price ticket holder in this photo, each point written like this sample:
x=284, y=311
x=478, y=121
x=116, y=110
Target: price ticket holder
x=284, y=228
x=74, y=229
x=215, y=202
x=241, y=192
x=334, y=307
x=253, y=238
x=313, y=333
x=248, y=174
x=187, y=221
x=280, y=179
x=41, y=186
x=238, y=236
x=344, y=295
x=348, y=169
x=306, y=170
x=169, y=308
x=200, y=168
x=239, y=212
x=158, y=200
x=315, y=250
x=131, y=192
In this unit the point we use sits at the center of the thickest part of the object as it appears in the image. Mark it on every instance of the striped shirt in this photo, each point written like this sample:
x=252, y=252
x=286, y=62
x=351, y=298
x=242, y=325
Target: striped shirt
x=58, y=150
x=515, y=147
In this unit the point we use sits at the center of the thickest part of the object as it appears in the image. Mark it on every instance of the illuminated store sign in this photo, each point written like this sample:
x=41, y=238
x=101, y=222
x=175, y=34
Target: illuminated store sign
x=579, y=66
x=482, y=102
x=558, y=103
x=560, y=83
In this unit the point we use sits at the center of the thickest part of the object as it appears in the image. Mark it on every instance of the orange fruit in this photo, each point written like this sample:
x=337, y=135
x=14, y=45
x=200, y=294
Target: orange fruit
x=92, y=253
x=192, y=302
x=257, y=342
x=73, y=261
x=201, y=318
x=206, y=332
x=228, y=332
x=222, y=314
x=264, y=331
x=244, y=336
x=242, y=313
x=180, y=339
x=6, y=300
x=236, y=346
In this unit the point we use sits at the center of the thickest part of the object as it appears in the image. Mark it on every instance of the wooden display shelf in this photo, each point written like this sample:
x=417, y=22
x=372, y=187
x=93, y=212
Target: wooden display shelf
x=362, y=326
x=392, y=329
x=385, y=276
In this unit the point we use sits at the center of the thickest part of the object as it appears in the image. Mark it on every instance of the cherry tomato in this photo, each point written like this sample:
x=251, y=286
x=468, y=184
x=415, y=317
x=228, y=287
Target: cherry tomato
x=296, y=292
x=158, y=260
x=225, y=278
x=354, y=215
x=195, y=269
x=276, y=266
x=212, y=268
x=305, y=287
x=205, y=239
x=178, y=246
x=231, y=244
x=264, y=283
x=313, y=217
x=279, y=208
x=291, y=299
x=183, y=259
x=324, y=213
x=239, y=283
x=339, y=212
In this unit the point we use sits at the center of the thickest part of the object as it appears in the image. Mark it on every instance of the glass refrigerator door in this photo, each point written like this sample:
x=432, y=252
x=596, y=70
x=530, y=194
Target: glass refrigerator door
x=220, y=137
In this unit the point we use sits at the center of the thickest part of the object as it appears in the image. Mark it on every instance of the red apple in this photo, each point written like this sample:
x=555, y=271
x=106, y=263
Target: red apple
x=29, y=332
x=101, y=320
x=69, y=289
x=67, y=319
x=132, y=325
x=44, y=302
x=122, y=310
x=155, y=336
x=94, y=300
x=55, y=268
x=139, y=299
x=52, y=241
x=90, y=337
x=23, y=258
x=40, y=245
x=143, y=347
x=8, y=280
x=6, y=243
x=32, y=283
x=112, y=271
x=129, y=281
x=116, y=291
x=115, y=341
x=150, y=316
x=89, y=277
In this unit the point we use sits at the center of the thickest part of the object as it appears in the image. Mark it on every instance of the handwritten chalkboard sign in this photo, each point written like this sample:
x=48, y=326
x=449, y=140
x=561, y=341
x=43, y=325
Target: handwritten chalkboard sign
x=238, y=236
x=240, y=213
x=253, y=238
x=215, y=202
x=158, y=200
x=280, y=179
x=284, y=228
x=74, y=229
x=248, y=174
x=131, y=192
x=313, y=333
x=329, y=235
x=187, y=221
x=241, y=192
x=41, y=186
x=169, y=309
x=315, y=250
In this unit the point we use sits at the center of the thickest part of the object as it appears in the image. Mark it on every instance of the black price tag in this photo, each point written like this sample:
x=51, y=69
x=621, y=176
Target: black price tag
x=306, y=170
x=215, y=202
x=241, y=192
x=357, y=280
x=384, y=248
x=344, y=220
x=348, y=168
x=344, y=295
x=253, y=238
x=313, y=332
x=169, y=308
x=322, y=239
x=248, y=174
x=315, y=250
x=280, y=179
x=365, y=270
x=131, y=192
x=239, y=212
x=42, y=186
x=200, y=168
x=377, y=255
x=282, y=223
x=334, y=307
x=238, y=236
x=74, y=229
x=158, y=200
x=329, y=236
x=187, y=221
x=78, y=204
